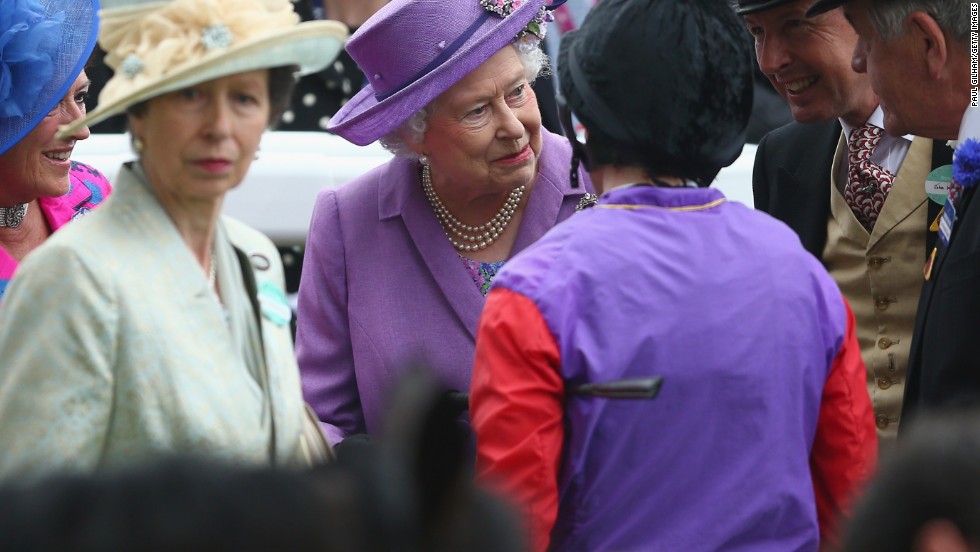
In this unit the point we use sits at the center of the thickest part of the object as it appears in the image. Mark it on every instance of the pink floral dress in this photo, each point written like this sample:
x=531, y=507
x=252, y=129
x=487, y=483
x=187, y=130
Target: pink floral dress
x=88, y=188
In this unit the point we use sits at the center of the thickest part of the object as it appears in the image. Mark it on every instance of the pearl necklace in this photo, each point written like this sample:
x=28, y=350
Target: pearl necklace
x=212, y=274
x=470, y=238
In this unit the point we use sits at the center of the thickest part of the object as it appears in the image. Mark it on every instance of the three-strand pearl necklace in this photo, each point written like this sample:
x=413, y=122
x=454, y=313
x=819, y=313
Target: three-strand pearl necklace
x=463, y=236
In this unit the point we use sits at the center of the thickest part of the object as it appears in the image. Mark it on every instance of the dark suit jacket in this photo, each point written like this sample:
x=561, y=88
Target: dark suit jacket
x=944, y=368
x=789, y=180
x=792, y=172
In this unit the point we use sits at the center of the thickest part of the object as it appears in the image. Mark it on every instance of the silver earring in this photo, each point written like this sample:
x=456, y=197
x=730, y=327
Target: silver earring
x=424, y=160
x=256, y=157
x=137, y=144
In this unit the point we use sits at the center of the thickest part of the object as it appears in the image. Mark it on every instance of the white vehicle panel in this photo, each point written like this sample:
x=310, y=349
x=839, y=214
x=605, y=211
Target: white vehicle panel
x=278, y=194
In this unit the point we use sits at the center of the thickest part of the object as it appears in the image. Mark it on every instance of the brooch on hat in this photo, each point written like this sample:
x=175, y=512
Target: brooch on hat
x=216, y=36
x=503, y=8
x=532, y=34
x=132, y=66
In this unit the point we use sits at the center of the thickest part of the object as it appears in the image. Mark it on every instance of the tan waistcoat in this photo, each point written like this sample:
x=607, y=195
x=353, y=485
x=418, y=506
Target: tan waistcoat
x=880, y=275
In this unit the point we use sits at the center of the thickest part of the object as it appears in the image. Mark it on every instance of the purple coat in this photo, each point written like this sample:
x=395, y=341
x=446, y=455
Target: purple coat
x=382, y=288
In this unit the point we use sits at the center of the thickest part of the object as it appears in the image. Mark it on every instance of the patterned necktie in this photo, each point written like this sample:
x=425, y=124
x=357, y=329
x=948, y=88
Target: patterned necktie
x=867, y=182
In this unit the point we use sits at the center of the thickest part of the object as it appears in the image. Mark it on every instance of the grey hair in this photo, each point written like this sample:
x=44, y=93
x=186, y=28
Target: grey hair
x=536, y=64
x=889, y=18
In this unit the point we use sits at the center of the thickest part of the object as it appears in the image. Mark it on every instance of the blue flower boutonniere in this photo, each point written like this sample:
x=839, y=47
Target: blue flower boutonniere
x=966, y=164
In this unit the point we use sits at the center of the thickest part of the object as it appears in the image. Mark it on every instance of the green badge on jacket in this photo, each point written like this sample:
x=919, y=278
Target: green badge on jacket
x=274, y=304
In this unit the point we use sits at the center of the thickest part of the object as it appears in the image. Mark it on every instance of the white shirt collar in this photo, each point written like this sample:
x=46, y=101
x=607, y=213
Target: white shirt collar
x=877, y=118
x=970, y=124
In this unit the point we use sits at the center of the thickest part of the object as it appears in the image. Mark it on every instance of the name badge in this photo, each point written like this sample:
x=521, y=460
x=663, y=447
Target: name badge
x=937, y=183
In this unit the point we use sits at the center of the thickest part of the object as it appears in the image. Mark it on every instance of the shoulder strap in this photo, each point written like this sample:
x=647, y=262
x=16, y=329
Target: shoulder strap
x=251, y=288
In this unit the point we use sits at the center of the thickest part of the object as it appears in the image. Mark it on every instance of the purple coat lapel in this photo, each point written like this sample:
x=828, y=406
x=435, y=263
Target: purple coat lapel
x=405, y=200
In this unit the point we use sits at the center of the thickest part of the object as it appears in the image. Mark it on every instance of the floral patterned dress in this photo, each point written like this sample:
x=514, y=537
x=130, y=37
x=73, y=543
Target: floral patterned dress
x=482, y=273
x=88, y=188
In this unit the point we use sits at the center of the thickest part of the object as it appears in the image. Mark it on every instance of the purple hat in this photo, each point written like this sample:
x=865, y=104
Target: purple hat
x=411, y=51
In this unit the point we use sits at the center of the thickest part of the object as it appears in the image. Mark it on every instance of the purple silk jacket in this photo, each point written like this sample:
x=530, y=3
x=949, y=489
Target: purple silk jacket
x=743, y=326
x=383, y=288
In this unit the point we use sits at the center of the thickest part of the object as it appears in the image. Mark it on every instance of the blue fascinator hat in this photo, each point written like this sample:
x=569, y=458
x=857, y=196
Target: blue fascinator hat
x=44, y=45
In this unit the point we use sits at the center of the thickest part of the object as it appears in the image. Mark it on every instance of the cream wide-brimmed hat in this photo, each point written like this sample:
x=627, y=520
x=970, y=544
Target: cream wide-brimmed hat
x=157, y=46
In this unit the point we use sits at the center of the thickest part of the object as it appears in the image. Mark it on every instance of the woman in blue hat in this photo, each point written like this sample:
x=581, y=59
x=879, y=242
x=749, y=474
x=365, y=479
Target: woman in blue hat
x=44, y=46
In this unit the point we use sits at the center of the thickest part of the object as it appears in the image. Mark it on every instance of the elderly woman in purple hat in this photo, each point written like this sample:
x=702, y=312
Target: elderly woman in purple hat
x=44, y=46
x=398, y=261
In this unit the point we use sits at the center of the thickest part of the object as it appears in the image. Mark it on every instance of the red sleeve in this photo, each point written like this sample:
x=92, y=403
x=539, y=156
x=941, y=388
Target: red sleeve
x=845, y=448
x=516, y=406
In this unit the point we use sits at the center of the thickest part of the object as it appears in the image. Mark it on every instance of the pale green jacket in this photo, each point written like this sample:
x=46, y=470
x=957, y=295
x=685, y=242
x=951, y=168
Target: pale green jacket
x=113, y=350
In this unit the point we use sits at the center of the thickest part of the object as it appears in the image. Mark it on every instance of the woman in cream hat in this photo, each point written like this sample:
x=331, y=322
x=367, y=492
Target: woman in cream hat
x=167, y=329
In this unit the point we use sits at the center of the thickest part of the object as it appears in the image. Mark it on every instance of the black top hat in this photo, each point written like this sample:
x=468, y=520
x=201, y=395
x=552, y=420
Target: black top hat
x=670, y=79
x=821, y=6
x=745, y=7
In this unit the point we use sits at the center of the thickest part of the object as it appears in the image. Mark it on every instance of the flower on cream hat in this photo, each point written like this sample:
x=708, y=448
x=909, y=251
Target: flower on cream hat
x=156, y=47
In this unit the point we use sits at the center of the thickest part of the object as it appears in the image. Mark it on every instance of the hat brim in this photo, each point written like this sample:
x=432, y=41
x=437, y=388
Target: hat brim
x=364, y=119
x=823, y=6
x=742, y=9
x=311, y=46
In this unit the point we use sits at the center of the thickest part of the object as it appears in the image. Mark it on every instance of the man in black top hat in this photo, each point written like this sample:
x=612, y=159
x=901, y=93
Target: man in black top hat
x=856, y=198
x=918, y=56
